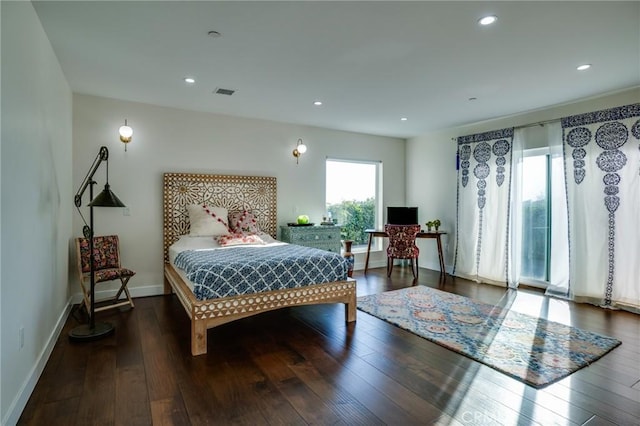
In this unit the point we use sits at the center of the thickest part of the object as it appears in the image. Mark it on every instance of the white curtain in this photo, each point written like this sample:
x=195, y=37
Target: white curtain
x=483, y=213
x=602, y=160
x=559, y=261
x=548, y=138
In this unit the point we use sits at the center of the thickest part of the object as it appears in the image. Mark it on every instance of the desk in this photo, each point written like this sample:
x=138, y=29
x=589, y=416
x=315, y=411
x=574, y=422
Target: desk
x=434, y=234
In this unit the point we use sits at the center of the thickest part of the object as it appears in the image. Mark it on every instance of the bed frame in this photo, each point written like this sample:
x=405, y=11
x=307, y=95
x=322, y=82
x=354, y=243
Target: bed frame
x=236, y=193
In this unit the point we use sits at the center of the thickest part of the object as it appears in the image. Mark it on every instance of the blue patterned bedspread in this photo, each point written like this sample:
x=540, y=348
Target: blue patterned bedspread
x=246, y=270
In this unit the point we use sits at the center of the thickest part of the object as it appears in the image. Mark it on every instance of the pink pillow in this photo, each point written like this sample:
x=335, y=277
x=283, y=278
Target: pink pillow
x=244, y=222
x=239, y=240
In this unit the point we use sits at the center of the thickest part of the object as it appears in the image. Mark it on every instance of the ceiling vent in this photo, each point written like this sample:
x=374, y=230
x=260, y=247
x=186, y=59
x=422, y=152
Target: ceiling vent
x=221, y=91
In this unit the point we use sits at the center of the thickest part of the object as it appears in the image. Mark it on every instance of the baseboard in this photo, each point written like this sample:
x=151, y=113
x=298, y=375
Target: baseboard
x=21, y=399
x=137, y=291
x=372, y=264
x=383, y=264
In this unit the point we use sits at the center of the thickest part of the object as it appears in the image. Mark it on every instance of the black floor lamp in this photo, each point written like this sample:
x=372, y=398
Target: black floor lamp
x=94, y=330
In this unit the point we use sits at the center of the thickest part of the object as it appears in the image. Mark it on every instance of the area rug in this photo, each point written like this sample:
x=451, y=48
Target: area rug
x=533, y=350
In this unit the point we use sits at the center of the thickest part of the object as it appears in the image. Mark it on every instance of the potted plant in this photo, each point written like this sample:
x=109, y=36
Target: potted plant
x=433, y=224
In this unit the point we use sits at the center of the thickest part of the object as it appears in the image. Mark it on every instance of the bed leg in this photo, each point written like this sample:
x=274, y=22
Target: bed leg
x=350, y=309
x=198, y=337
x=167, y=287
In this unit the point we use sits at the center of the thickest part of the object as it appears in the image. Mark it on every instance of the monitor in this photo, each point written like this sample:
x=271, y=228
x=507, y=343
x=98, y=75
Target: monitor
x=402, y=215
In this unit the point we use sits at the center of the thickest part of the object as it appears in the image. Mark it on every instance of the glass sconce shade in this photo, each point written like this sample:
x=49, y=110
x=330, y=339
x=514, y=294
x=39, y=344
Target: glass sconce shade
x=300, y=149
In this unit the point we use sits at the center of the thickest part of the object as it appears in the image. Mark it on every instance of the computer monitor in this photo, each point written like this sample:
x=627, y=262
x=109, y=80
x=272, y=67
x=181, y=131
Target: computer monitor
x=402, y=215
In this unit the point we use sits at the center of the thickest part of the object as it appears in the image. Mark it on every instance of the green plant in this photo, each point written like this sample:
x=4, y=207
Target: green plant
x=355, y=217
x=433, y=224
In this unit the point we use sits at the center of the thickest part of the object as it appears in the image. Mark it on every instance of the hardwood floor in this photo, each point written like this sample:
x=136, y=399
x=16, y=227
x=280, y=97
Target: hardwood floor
x=304, y=365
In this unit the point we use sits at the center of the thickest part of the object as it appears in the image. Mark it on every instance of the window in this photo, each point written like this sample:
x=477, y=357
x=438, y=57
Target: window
x=353, y=197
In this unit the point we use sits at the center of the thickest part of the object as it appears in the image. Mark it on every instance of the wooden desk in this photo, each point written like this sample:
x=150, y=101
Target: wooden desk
x=422, y=234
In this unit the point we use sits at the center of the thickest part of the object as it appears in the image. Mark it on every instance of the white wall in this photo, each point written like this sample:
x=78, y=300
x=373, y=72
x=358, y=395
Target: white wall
x=431, y=165
x=36, y=203
x=172, y=140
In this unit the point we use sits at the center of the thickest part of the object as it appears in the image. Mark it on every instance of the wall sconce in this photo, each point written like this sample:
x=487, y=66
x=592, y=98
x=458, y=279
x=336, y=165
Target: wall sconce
x=300, y=149
x=125, y=134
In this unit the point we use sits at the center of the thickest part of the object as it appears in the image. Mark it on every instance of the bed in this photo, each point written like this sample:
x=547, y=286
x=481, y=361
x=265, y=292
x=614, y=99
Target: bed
x=257, y=194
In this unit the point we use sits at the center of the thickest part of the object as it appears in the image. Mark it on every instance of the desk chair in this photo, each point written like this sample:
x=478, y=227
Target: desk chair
x=402, y=245
x=106, y=252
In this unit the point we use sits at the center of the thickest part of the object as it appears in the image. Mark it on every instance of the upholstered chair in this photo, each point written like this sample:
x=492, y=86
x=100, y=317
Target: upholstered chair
x=402, y=245
x=107, y=267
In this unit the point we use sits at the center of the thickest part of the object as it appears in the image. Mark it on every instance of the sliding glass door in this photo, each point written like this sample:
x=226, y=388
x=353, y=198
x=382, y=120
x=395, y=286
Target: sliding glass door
x=536, y=216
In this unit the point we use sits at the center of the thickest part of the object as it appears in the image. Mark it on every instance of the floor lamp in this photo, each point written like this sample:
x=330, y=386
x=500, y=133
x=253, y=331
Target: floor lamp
x=94, y=330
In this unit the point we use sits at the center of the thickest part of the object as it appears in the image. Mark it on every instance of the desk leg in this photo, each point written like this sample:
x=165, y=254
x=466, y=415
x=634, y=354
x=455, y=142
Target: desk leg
x=440, y=254
x=366, y=259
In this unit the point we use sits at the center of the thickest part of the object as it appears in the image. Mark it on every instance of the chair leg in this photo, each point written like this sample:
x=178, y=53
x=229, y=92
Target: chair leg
x=414, y=267
x=123, y=287
x=389, y=266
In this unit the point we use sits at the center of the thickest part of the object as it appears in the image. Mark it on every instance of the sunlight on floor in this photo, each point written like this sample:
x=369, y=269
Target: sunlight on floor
x=511, y=402
x=538, y=305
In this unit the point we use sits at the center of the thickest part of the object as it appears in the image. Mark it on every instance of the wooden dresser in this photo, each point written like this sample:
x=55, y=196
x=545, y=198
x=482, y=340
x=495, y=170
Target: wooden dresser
x=321, y=237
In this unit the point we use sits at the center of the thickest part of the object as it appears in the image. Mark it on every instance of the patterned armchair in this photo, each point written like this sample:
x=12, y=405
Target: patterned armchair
x=106, y=255
x=402, y=245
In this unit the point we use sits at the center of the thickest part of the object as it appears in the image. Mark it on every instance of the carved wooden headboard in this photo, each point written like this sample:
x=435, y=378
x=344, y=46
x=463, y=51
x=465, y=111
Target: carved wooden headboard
x=257, y=194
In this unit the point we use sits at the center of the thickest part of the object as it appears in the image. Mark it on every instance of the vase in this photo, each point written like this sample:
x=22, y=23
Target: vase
x=351, y=259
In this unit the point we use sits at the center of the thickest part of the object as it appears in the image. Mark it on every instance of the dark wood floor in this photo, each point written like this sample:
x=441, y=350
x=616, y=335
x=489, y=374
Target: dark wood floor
x=305, y=366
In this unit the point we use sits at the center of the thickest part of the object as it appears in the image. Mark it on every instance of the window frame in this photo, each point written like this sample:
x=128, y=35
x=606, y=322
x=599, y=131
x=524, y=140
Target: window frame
x=376, y=244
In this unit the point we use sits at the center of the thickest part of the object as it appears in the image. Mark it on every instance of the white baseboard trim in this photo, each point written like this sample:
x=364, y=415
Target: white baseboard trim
x=21, y=399
x=372, y=264
x=137, y=291
x=383, y=264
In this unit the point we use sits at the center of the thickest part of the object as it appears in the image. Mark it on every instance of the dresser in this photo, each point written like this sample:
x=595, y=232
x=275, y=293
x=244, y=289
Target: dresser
x=321, y=237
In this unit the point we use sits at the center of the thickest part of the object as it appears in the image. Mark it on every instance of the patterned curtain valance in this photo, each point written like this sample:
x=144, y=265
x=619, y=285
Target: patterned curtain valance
x=612, y=114
x=486, y=136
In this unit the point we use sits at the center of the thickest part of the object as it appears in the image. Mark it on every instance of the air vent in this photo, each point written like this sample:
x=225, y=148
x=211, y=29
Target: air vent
x=221, y=91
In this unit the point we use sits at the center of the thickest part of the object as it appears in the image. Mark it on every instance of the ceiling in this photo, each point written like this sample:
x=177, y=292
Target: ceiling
x=370, y=63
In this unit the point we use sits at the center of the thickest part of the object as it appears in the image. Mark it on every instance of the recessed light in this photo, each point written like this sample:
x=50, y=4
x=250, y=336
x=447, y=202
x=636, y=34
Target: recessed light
x=584, y=67
x=403, y=119
x=214, y=34
x=488, y=20
x=189, y=80
x=317, y=103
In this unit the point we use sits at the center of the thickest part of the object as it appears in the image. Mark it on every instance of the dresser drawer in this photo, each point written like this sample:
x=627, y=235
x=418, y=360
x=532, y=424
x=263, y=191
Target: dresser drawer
x=315, y=235
x=332, y=247
x=322, y=237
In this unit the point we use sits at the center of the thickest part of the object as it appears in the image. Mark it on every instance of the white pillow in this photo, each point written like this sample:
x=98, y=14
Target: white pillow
x=205, y=224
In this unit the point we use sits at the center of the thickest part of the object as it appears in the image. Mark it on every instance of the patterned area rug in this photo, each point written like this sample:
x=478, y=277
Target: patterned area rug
x=533, y=350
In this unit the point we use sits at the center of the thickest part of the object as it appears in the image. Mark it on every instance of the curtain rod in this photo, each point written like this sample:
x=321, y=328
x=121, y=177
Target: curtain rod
x=524, y=126
x=539, y=123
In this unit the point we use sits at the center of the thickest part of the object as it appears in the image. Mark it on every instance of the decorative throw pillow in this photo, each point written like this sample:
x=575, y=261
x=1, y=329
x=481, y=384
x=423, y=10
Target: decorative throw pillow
x=239, y=240
x=207, y=221
x=244, y=222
